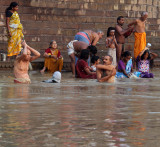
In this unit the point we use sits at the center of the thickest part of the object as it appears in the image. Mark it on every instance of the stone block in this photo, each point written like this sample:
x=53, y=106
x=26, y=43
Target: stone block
x=149, y=2
x=122, y=1
x=128, y=7
x=155, y=2
x=116, y=7
x=133, y=1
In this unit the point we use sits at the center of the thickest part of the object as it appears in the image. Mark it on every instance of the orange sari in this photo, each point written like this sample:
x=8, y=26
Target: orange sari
x=140, y=43
x=52, y=64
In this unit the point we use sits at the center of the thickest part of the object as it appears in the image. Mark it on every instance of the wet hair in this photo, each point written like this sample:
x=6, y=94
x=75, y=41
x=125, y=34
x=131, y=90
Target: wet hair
x=92, y=49
x=109, y=30
x=110, y=58
x=100, y=32
x=149, y=58
x=126, y=54
x=51, y=43
x=12, y=5
x=84, y=54
x=119, y=18
x=144, y=13
x=94, y=59
x=146, y=51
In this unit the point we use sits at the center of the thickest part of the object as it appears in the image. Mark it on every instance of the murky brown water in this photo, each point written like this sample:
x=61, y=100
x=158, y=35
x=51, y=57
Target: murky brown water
x=79, y=113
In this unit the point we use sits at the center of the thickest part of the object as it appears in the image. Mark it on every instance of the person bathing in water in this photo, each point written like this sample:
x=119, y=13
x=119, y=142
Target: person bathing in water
x=21, y=64
x=106, y=72
x=143, y=60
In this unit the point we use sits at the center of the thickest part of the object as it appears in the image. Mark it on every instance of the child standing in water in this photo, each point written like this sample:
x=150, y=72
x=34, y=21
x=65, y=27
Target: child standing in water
x=111, y=44
x=144, y=59
x=95, y=61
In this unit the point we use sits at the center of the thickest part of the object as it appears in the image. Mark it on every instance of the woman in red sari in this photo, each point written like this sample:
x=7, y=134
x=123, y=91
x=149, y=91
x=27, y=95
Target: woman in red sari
x=53, y=58
x=82, y=68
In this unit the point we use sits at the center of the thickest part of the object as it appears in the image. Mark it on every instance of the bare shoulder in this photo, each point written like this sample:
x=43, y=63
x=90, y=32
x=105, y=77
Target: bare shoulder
x=95, y=34
x=111, y=66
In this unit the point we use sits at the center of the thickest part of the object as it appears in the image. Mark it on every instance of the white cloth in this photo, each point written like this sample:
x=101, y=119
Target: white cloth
x=15, y=26
x=71, y=47
x=112, y=52
x=94, y=68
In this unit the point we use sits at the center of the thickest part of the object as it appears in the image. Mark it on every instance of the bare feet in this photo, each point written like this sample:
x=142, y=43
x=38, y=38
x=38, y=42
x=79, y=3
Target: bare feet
x=42, y=71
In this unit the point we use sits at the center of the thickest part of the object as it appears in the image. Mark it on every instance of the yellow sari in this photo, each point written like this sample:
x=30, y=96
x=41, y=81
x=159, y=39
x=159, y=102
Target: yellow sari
x=52, y=64
x=14, y=42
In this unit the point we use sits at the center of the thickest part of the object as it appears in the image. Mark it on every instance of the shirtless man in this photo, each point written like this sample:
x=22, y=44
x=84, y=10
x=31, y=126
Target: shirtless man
x=106, y=72
x=120, y=35
x=21, y=64
x=140, y=35
x=89, y=37
x=74, y=49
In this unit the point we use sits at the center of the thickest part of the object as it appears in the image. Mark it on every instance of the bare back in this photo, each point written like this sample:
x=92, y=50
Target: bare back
x=93, y=36
x=79, y=45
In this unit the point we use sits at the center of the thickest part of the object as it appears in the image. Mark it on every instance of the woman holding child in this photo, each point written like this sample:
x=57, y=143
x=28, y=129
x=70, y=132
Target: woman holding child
x=82, y=68
x=53, y=58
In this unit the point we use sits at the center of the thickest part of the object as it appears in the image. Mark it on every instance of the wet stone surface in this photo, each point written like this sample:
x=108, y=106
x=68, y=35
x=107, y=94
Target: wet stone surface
x=78, y=112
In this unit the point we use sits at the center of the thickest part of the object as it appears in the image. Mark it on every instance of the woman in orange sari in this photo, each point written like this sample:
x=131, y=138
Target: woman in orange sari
x=53, y=58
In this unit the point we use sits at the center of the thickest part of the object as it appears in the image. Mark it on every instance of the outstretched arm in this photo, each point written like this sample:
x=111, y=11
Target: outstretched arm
x=101, y=66
x=106, y=78
x=122, y=32
x=132, y=23
x=87, y=70
x=36, y=53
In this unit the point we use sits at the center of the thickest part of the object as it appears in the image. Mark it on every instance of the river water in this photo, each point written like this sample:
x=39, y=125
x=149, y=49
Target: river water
x=79, y=113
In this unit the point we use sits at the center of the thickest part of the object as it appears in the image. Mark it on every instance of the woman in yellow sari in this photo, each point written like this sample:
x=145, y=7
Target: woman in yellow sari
x=53, y=58
x=14, y=28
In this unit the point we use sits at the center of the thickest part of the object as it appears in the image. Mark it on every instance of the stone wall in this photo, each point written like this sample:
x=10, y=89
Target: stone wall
x=45, y=20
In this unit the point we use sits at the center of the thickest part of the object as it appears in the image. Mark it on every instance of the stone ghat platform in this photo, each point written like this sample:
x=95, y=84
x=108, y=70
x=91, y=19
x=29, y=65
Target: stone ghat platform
x=39, y=63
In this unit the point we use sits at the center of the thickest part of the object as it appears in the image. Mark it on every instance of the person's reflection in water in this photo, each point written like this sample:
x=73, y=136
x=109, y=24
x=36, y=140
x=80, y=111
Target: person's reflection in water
x=68, y=119
x=17, y=122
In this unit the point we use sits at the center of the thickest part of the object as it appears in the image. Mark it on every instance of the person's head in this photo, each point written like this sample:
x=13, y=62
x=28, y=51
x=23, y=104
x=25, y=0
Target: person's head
x=145, y=55
x=126, y=56
x=13, y=6
x=95, y=60
x=110, y=31
x=100, y=34
x=53, y=44
x=107, y=60
x=84, y=54
x=92, y=49
x=144, y=15
x=120, y=20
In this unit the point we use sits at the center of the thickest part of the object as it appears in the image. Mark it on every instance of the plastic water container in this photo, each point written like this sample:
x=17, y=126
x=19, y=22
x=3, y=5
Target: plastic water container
x=3, y=57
